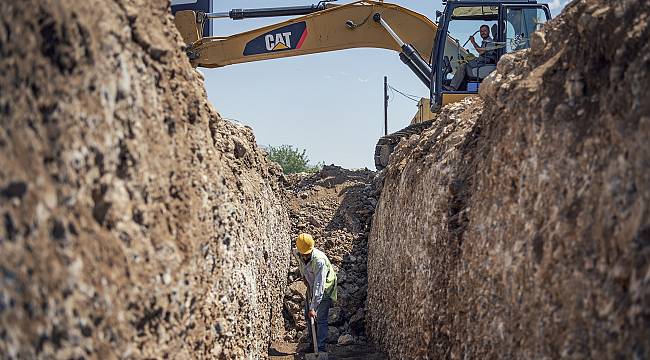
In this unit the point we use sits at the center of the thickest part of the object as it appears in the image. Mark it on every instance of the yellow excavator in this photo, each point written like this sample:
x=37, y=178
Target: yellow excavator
x=425, y=46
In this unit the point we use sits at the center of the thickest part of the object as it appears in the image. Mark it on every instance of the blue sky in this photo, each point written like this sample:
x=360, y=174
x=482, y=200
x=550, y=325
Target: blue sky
x=329, y=104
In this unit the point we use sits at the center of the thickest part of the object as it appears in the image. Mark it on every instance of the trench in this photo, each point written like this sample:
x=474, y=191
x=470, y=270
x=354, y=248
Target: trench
x=336, y=206
x=137, y=222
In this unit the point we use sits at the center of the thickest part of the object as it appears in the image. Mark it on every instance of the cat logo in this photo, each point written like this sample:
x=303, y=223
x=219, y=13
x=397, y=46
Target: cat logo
x=290, y=37
x=280, y=41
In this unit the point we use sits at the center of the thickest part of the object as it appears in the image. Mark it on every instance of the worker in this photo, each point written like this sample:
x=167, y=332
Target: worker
x=319, y=276
x=486, y=56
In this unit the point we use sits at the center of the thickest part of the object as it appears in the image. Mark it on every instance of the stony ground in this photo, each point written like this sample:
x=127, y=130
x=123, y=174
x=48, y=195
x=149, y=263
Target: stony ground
x=335, y=205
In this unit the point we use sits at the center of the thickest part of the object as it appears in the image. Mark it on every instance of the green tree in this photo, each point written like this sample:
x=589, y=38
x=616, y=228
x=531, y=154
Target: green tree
x=292, y=160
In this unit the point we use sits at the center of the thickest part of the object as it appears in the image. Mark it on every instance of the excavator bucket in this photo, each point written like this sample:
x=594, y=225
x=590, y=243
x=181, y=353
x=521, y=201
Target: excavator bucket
x=187, y=20
x=188, y=27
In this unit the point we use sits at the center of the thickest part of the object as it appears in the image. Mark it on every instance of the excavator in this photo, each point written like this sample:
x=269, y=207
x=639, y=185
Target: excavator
x=426, y=47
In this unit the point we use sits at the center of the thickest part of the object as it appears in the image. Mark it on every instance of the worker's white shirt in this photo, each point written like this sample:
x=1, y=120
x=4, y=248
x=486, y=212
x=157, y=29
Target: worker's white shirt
x=316, y=279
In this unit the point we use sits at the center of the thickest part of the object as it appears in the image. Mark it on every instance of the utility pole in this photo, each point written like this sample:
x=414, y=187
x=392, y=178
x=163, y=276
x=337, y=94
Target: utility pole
x=385, y=105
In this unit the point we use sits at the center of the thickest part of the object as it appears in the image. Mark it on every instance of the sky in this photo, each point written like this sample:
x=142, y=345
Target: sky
x=330, y=104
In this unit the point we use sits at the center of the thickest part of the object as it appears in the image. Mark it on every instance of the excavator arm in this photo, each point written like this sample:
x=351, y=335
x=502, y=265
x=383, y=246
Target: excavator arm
x=321, y=28
x=333, y=27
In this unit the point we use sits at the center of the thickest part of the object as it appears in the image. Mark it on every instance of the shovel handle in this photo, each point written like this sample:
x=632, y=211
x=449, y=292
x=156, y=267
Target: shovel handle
x=313, y=335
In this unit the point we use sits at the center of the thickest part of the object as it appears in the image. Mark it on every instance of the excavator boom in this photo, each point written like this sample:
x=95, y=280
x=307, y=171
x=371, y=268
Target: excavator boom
x=335, y=27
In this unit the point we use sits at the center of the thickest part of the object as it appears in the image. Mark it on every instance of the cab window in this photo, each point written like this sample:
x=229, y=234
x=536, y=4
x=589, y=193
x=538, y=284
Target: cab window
x=521, y=23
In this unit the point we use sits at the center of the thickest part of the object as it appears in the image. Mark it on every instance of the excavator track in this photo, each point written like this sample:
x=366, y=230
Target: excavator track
x=387, y=144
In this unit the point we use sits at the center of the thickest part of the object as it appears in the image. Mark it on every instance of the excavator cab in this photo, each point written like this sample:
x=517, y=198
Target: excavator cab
x=457, y=72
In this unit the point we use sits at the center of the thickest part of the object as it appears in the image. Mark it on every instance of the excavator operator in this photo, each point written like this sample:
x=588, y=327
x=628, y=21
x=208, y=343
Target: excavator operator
x=486, y=56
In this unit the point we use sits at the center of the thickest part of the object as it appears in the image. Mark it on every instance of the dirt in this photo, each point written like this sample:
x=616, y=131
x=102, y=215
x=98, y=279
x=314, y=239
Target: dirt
x=519, y=229
x=136, y=222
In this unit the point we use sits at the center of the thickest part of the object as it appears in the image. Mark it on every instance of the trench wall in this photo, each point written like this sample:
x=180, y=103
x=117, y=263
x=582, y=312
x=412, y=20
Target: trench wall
x=518, y=225
x=135, y=222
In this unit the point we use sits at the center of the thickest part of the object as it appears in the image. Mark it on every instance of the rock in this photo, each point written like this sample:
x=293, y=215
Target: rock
x=293, y=308
x=332, y=334
x=506, y=63
x=489, y=87
x=302, y=336
x=15, y=189
x=299, y=320
x=341, y=277
x=298, y=288
x=350, y=288
x=240, y=149
x=537, y=43
x=346, y=339
x=357, y=322
x=314, y=221
x=335, y=316
x=290, y=335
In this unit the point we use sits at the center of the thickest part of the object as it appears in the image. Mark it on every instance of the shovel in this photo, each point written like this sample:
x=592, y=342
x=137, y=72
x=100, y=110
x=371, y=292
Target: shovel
x=316, y=355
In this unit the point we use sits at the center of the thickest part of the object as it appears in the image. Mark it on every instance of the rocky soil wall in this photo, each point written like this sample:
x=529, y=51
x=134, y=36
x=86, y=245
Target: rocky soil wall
x=523, y=231
x=135, y=222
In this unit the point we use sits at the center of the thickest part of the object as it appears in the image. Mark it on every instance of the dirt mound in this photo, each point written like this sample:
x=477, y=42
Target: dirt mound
x=522, y=231
x=135, y=221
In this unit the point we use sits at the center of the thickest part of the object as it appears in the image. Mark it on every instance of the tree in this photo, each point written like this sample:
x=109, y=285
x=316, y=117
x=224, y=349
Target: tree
x=292, y=160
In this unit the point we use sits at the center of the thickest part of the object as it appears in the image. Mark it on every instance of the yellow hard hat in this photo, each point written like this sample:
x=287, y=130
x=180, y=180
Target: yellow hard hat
x=305, y=243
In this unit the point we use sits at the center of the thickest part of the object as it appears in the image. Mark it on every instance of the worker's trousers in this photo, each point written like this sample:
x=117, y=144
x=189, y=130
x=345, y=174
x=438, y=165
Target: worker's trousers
x=322, y=313
x=464, y=71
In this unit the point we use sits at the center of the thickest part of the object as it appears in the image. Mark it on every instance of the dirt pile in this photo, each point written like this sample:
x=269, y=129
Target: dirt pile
x=523, y=230
x=135, y=221
x=335, y=205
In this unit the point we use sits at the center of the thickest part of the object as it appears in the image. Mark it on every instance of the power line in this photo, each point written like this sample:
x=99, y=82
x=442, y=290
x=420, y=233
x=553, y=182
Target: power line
x=411, y=97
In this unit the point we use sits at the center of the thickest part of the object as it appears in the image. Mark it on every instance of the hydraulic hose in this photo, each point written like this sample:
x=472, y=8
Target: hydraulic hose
x=239, y=14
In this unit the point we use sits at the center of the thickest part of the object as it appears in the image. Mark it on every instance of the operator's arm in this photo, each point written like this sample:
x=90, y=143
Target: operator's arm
x=319, y=285
x=479, y=49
